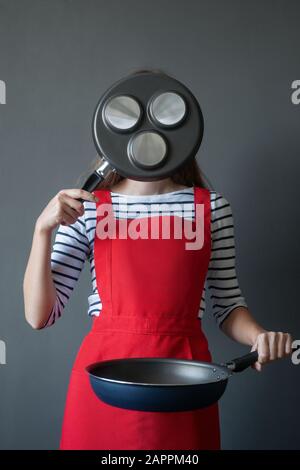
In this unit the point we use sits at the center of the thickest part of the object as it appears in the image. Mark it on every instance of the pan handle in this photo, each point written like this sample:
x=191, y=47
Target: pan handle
x=92, y=182
x=241, y=363
x=97, y=176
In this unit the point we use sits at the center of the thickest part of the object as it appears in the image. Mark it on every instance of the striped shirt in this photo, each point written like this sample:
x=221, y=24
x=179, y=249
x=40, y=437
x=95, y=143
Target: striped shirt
x=74, y=244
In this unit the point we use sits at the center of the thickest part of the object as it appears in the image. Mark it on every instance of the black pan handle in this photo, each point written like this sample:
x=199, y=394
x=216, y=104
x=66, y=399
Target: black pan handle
x=92, y=182
x=241, y=363
x=97, y=176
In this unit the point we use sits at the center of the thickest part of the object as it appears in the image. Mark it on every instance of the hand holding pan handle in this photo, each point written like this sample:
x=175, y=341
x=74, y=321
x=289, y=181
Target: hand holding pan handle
x=241, y=363
x=97, y=176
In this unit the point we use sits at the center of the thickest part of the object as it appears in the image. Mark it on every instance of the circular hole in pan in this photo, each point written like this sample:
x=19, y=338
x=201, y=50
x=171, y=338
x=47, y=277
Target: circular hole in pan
x=167, y=109
x=147, y=149
x=122, y=113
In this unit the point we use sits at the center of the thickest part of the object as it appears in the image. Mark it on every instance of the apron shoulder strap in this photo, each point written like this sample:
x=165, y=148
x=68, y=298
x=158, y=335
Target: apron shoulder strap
x=103, y=195
x=202, y=196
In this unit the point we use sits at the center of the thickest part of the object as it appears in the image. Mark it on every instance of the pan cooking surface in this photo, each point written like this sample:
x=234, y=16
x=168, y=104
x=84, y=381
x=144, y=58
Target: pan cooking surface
x=158, y=371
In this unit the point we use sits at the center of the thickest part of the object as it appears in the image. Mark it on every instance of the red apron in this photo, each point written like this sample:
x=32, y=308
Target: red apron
x=150, y=291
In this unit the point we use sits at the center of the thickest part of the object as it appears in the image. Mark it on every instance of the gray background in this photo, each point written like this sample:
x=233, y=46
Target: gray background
x=57, y=57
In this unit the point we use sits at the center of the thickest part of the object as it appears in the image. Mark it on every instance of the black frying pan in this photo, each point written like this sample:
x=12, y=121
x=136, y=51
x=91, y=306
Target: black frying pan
x=163, y=384
x=145, y=127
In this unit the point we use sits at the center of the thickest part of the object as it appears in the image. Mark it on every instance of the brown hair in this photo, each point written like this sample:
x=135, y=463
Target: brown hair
x=188, y=175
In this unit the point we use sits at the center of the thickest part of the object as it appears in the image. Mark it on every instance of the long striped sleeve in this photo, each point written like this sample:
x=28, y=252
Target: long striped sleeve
x=70, y=251
x=221, y=280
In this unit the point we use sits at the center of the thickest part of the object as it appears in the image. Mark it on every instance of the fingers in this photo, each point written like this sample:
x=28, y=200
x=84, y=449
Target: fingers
x=288, y=344
x=271, y=346
x=263, y=348
x=72, y=213
x=257, y=366
x=68, y=201
x=68, y=208
x=65, y=215
x=66, y=219
x=64, y=208
x=284, y=345
x=79, y=194
x=281, y=346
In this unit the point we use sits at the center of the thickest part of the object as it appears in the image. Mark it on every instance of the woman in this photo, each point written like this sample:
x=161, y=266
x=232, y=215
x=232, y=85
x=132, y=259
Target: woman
x=148, y=299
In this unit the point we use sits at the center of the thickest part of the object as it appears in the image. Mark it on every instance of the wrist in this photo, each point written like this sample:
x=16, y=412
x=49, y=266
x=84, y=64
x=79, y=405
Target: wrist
x=41, y=229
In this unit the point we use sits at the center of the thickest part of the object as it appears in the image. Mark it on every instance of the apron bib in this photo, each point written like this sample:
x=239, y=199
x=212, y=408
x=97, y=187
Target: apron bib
x=150, y=291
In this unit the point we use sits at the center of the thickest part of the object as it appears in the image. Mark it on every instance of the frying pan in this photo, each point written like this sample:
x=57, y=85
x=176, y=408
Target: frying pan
x=163, y=384
x=145, y=127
